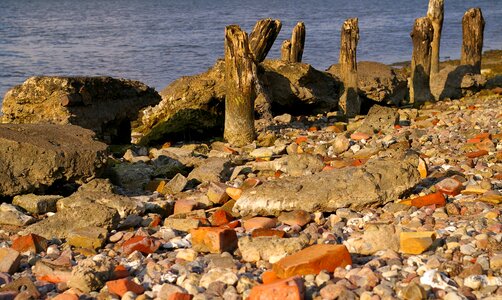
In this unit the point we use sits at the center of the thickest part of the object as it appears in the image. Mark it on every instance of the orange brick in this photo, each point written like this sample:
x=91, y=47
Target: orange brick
x=475, y=154
x=436, y=198
x=66, y=296
x=31, y=242
x=416, y=242
x=482, y=136
x=184, y=206
x=143, y=244
x=233, y=224
x=313, y=129
x=301, y=139
x=124, y=285
x=313, y=260
x=180, y=296
x=267, y=232
x=234, y=193
x=287, y=289
x=220, y=217
x=258, y=223
x=449, y=186
x=269, y=276
x=359, y=136
x=120, y=272
x=213, y=239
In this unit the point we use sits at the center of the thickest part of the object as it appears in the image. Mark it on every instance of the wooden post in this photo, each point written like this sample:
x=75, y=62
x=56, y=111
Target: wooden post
x=421, y=35
x=286, y=50
x=473, y=26
x=350, y=103
x=435, y=13
x=263, y=37
x=240, y=80
x=297, y=42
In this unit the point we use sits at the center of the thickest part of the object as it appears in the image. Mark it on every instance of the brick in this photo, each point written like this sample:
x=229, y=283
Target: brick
x=259, y=223
x=124, y=285
x=475, y=154
x=213, y=239
x=44, y=271
x=143, y=244
x=87, y=237
x=220, y=217
x=269, y=276
x=120, y=271
x=416, y=242
x=313, y=260
x=234, y=193
x=297, y=217
x=30, y=243
x=175, y=185
x=66, y=296
x=288, y=289
x=449, y=186
x=180, y=296
x=9, y=260
x=268, y=232
x=301, y=139
x=183, y=206
x=360, y=136
x=217, y=193
x=435, y=198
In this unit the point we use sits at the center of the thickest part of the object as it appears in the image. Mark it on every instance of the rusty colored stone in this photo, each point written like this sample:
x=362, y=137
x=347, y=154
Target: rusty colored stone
x=31, y=242
x=143, y=244
x=213, y=239
x=124, y=285
x=287, y=289
x=435, y=198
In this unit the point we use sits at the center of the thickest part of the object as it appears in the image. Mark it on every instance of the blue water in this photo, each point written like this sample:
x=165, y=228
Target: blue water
x=157, y=41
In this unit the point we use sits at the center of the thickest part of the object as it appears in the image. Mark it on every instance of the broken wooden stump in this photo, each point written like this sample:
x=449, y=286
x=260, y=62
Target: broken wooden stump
x=297, y=42
x=435, y=13
x=263, y=37
x=240, y=82
x=286, y=50
x=473, y=25
x=350, y=103
x=421, y=35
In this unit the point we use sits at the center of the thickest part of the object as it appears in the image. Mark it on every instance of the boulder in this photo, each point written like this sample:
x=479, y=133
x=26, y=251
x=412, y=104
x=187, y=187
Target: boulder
x=35, y=156
x=379, y=118
x=455, y=82
x=378, y=82
x=104, y=105
x=193, y=105
x=377, y=182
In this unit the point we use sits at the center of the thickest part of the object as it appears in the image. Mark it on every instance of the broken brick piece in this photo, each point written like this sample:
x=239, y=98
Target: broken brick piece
x=31, y=242
x=416, y=242
x=267, y=232
x=269, y=276
x=475, y=154
x=180, y=296
x=221, y=217
x=436, y=198
x=213, y=239
x=259, y=223
x=143, y=244
x=313, y=260
x=120, y=271
x=288, y=289
x=124, y=285
x=449, y=186
x=217, y=193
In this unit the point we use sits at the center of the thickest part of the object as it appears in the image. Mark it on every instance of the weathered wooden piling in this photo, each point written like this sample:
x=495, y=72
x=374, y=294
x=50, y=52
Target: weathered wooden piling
x=473, y=25
x=263, y=37
x=240, y=80
x=435, y=13
x=297, y=42
x=350, y=103
x=421, y=35
x=286, y=50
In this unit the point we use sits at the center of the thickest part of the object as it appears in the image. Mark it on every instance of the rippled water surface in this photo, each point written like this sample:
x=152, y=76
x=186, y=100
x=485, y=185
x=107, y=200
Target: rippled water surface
x=157, y=41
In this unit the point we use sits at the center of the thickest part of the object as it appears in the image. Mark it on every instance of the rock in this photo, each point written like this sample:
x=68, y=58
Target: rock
x=383, y=179
x=270, y=249
x=65, y=221
x=9, y=215
x=449, y=186
x=312, y=260
x=496, y=262
x=288, y=289
x=36, y=204
x=284, y=118
x=341, y=144
x=378, y=82
x=213, y=239
x=104, y=105
x=182, y=224
x=259, y=223
x=374, y=238
x=30, y=243
x=414, y=291
x=56, y=271
x=214, y=169
x=297, y=217
x=379, y=118
x=87, y=237
x=91, y=274
x=124, y=285
x=217, y=193
x=175, y=185
x=218, y=274
x=133, y=177
x=10, y=260
x=264, y=152
x=302, y=164
x=35, y=156
x=455, y=82
x=416, y=242
x=167, y=290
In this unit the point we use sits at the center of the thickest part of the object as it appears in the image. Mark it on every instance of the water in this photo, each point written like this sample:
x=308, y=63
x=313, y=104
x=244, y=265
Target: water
x=157, y=41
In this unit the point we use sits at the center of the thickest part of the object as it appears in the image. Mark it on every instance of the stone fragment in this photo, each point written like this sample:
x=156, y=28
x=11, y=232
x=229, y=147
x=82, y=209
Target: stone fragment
x=87, y=237
x=182, y=224
x=213, y=169
x=449, y=186
x=422, y=168
x=383, y=179
x=10, y=215
x=217, y=193
x=264, y=152
x=297, y=217
x=44, y=270
x=267, y=232
x=496, y=262
x=357, y=136
x=270, y=249
x=186, y=254
x=25, y=287
x=213, y=239
x=143, y=244
x=218, y=274
x=234, y=193
x=9, y=260
x=132, y=177
x=416, y=242
x=91, y=274
x=124, y=285
x=379, y=119
x=414, y=291
x=287, y=289
x=36, y=204
x=183, y=206
x=168, y=290
x=175, y=185
x=312, y=260
x=259, y=223
x=35, y=156
x=434, y=198
x=374, y=238
x=341, y=144
x=31, y=242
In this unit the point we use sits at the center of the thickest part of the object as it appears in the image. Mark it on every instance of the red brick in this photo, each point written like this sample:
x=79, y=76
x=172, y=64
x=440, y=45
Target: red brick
x=213, y=239
x=184, y=206
x=313, y=260
x=435, y=198
x=180, y=296
x=259, y=223
x=220, y=217
x=143, y=244
x=120, y=272
x=475, y=154
x=449, y=186
x=269, y=276
x=124, y=285
x=301, y=139
x=156, y=221
x=267, y=232
x=31, y=242
x=287, y=289
x=9, y=260
x=234, y=224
